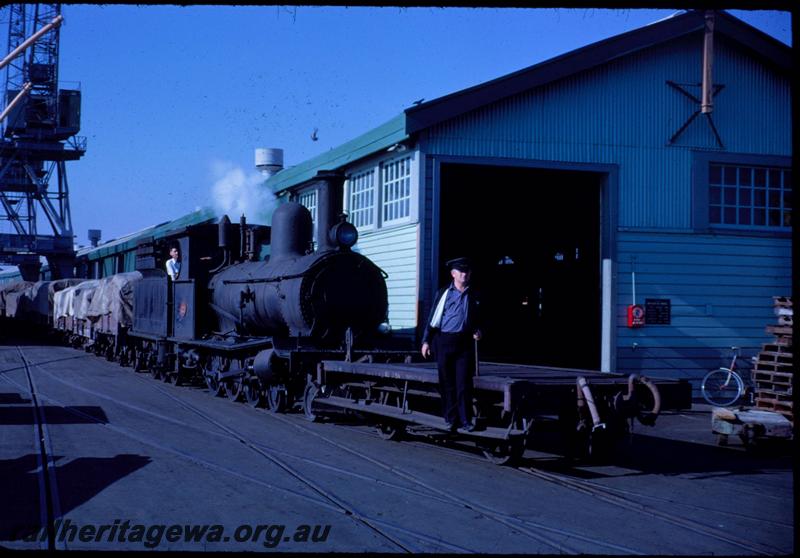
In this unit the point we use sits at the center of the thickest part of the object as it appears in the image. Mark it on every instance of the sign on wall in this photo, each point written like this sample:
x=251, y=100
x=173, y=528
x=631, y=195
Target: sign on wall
x=657, y=311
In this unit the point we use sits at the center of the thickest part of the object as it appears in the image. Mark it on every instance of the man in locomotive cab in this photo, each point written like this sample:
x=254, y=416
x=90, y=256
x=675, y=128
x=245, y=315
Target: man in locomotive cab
x=173, y=264
x=450, y=334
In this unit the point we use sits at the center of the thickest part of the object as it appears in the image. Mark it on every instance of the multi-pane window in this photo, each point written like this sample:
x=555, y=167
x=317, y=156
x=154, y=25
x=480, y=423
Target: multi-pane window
x=308, y=199
x=396, y=193
x=749, y=196
x=362, y=199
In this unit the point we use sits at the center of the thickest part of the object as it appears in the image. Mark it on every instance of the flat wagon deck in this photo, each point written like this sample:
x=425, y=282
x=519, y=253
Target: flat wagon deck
x=507, y=400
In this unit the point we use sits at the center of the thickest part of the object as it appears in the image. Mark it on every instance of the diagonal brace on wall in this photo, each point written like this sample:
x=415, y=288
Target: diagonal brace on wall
x=681, y=89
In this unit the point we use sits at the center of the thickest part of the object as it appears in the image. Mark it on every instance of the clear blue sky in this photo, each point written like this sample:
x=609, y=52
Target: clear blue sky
x=170, y=93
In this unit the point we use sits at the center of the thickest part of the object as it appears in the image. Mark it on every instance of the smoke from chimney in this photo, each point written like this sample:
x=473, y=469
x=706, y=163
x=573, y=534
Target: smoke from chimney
x=236, y=192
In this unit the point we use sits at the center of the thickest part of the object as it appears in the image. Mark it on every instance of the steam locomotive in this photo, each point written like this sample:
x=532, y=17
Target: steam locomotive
x=249, y=328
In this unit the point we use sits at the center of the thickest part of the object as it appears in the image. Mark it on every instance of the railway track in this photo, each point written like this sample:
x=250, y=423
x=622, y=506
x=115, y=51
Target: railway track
x=272, y=455
x=49, y=504
x=624, y=500
x=532, y=530
x=620, y=498
x=327, y=500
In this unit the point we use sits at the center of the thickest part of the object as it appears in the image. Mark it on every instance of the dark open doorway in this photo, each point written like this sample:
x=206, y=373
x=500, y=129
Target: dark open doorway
x=534, y=235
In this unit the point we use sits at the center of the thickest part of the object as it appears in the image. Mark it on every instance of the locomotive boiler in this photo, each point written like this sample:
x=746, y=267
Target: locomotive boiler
x=318, y=295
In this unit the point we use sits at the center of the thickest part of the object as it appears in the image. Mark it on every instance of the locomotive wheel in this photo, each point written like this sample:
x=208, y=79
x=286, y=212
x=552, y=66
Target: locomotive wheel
x=216, y=364
x=504, y=452
x=309, y=395
x=214, y=386
x=170, y=377
x=390, y=430
x=234, y=389
x=276, y=399
x=253, y=394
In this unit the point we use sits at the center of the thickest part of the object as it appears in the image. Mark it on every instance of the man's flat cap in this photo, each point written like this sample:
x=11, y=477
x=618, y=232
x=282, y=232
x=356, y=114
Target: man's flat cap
x=461, y=264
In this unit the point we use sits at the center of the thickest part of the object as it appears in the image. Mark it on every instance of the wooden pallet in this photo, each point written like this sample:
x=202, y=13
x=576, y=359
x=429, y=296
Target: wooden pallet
x=783, y=407
x=773, y=356
x=782, y=378
x=780, y=330
x=762, y=366
x=781, y=345
x=778, y=399
x=769, y=390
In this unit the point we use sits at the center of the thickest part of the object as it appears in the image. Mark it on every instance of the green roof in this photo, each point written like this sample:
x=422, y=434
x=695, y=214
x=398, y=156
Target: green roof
x=383, y=136
x=129, y=242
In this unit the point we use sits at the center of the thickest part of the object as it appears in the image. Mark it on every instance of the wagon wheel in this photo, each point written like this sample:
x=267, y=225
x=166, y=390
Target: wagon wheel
x=171, y=377
x=155, y=370
x=276, y=399
x=234, y=389
x=253, y=393
x=309, y=396
x=390, y=430
x=124, y=356
x=213, y=365
x=504, y=452
x=601, y=444
x=138, y=361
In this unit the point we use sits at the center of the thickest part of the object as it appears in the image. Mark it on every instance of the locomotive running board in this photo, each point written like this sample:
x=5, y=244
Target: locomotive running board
x=415, y=417
x=220, y=346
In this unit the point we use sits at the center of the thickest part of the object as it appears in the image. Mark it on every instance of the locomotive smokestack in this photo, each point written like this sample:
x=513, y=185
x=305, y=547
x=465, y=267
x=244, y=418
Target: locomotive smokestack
x=224, y=224
x=329, y=206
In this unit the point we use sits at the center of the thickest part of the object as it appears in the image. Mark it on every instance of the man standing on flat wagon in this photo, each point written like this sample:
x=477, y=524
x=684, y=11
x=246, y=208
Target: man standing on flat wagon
x=452, y=329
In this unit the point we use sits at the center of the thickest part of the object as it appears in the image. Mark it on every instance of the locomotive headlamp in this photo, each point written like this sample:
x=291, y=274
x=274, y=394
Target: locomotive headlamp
x=344, y=234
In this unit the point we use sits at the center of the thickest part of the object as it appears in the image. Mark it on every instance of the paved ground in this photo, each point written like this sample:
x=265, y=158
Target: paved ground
x=134, y=463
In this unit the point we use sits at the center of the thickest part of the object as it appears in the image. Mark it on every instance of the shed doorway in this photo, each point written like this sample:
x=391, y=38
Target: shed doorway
x=534, y=237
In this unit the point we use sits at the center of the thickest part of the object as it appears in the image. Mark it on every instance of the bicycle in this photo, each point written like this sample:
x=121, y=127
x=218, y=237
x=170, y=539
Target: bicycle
x=724, y=386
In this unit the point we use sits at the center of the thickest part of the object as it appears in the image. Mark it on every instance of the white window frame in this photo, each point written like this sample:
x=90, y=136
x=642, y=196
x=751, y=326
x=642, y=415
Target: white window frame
x=314, y=212
x=376, y=166
x=392, y=184
x=348, y=199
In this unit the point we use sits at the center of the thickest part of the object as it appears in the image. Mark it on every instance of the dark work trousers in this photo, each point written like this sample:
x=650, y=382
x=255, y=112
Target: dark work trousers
x=455, y=357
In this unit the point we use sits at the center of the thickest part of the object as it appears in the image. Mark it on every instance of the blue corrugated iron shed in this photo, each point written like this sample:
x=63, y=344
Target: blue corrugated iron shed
x=622, y=109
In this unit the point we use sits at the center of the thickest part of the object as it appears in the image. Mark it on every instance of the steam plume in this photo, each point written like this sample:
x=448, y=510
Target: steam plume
x=236, y=192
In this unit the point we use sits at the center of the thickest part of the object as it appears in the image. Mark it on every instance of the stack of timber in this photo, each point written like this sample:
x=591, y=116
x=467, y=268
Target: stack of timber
x=774, y=369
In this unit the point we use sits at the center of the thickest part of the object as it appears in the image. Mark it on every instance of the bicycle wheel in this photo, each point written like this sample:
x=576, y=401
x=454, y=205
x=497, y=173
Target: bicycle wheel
x=722, y=387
